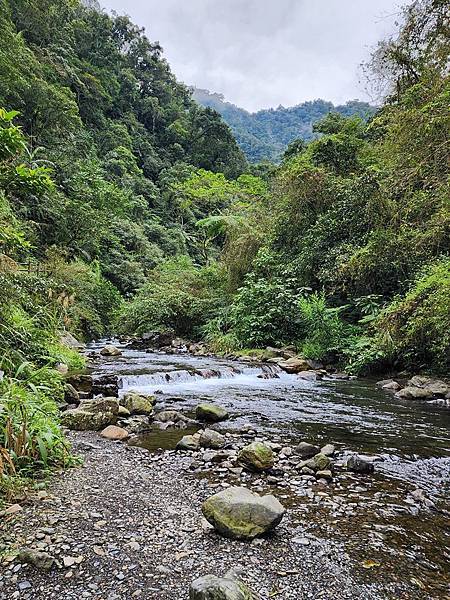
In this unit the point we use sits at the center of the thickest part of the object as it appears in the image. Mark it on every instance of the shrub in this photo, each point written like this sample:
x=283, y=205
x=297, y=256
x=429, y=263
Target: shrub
x=415, y=328
x=326, y=335
x=30, y=437
x=178, y=296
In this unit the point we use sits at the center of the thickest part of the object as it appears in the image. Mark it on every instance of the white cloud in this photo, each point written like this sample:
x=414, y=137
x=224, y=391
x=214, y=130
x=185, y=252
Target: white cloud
x=262, y=53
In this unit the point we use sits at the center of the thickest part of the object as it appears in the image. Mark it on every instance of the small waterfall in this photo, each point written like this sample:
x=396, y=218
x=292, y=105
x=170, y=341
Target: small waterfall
x=154, y=381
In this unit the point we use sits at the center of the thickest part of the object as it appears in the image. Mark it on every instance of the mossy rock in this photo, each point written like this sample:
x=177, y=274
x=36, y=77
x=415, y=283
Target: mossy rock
x=238, y=513
x=211, y=413
x=211, y=587
x=256, y=457
x=138, y=404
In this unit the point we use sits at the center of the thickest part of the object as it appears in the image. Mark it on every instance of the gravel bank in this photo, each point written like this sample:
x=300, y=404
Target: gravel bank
x=128, y=525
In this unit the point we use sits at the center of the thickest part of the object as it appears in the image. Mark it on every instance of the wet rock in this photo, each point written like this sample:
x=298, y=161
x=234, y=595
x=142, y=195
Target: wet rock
x=294, y=365
x=384, y=382
x=256, y=457
x=106, y=385
x=169, y=415
x=138, y=404
x=328, y=450
x=434, y=386
x=71, y=396
x=326, y=474
x=211, y=413
x=123, y=412
x=211, y=587
x=414, y=393
x=189, y=442
x=310, y=375
x=358, y=464
x=137, y=424
x=154, y=339
x=82, y=383
x=91, y=415
x=112, y=432
x=40, y=560
x=212, y=439
x=110, y=350
x=321, y=462
x=392, y=386
x=306, y=450
x=238, y=513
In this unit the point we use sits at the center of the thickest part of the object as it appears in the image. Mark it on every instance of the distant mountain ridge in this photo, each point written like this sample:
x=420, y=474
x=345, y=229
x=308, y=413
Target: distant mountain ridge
x=264, y=135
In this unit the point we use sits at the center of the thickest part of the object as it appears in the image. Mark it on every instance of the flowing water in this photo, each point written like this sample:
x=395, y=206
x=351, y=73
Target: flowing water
x=407, y=540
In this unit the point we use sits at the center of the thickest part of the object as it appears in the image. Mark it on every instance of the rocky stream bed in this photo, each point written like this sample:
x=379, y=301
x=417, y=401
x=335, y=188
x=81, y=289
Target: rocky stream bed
x=128, y=523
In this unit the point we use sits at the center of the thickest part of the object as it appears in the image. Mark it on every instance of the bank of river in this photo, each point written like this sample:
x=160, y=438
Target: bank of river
x=133, y=512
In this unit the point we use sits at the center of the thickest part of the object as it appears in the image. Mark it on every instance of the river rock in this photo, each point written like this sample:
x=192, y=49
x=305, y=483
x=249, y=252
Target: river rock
x=384, y=382
x=414, y=393
x=82, y=383
x=306, y=450
x=112, y=432
x=123, y=412
x=40, y=560
x=109, y=350
x=211, y=413
x=256, y=457
x=137, y=424
x=138, y=404
x=166, y=416
x=328, y=450
x=358, y=464
x=321, y=462
x=212, y=439
x=392, y=386
x=211, y=587
x=238, y=513
x=435, y=386
x=71, y=396
x=310, y=375
x=294, y=365
x=91, y=415
x=326, y=474
x=189, y=442
x=106, y=385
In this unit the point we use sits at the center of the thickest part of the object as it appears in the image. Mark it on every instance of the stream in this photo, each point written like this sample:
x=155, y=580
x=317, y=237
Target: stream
x=397, y=532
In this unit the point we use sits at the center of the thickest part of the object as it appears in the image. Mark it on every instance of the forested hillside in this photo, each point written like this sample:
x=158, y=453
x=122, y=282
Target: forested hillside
x=126, y=207
x=264, y=135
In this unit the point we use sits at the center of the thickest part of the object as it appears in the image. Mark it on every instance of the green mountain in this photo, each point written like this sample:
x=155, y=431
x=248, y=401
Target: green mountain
x=264, y=135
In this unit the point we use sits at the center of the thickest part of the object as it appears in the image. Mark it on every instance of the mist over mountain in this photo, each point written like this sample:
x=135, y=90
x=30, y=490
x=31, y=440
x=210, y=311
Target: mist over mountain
x=264, y=135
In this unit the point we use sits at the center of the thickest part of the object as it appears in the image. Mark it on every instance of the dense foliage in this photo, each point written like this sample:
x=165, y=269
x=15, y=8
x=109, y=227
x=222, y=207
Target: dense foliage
x=265, y=135
x=96, y=140
x=125, y=206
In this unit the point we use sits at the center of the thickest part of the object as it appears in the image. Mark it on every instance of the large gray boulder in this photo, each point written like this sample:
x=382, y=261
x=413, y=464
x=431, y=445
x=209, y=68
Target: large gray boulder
x=91, y=415
x=256, y=457
x=211, y=587
x=238, y=513
x=211, y=413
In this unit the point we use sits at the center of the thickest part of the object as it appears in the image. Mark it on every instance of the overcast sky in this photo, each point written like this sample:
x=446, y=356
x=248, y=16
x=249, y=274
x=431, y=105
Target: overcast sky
x=263, y=53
